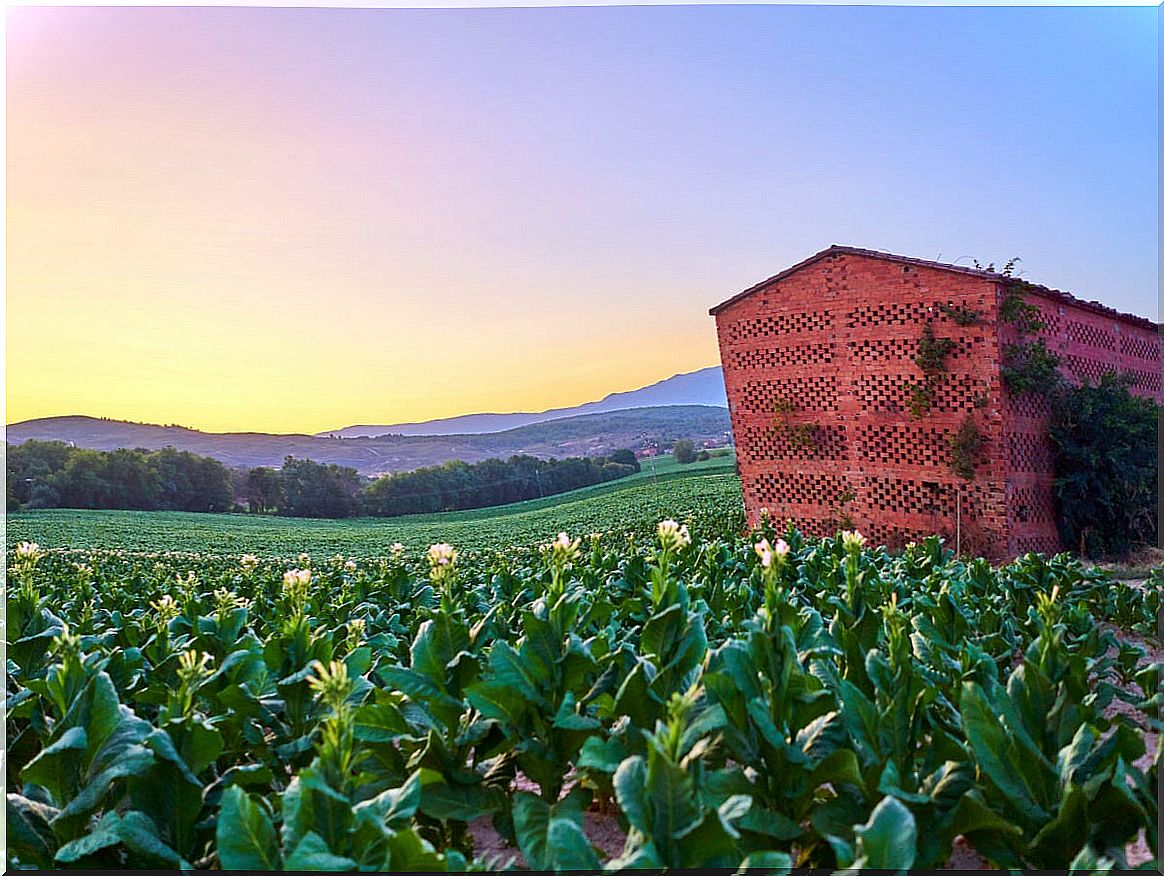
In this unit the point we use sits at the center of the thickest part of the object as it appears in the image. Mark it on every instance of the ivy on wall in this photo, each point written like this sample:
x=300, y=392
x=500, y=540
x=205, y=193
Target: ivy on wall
x=1028, y=366
x=803, y=436
x=840, y=518
x=931, y=359
x=932, y=352
x=966, y=446
x=961, y=315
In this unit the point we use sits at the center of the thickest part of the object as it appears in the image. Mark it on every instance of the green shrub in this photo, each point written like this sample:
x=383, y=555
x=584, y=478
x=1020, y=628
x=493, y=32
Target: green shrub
x=962, y=315
x=625, y=457
x=1106, y=467
x=684, y=451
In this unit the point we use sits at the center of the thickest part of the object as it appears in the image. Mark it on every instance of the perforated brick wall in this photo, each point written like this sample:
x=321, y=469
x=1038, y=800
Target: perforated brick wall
x=1088, y=343
x=827, y=350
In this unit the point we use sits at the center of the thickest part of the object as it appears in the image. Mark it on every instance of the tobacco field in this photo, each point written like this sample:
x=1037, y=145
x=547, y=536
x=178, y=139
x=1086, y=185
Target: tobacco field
x=754, y=700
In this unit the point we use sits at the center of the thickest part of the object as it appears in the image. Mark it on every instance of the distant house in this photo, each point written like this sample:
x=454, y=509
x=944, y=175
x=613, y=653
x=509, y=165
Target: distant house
x=836, y=423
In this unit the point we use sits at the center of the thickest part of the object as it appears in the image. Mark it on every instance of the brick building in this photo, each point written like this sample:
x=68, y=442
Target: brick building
x=836, y=423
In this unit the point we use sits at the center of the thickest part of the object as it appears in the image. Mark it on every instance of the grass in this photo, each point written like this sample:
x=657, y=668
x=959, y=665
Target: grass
x=1137, y=566
x=702, y=491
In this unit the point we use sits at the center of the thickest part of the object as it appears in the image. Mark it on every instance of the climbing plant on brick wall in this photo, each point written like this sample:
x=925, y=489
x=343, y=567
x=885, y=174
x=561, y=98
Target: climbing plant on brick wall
x=931, y=359
x=1028, y=366
x=802, y=436
x=968, y=441
x=966, y=446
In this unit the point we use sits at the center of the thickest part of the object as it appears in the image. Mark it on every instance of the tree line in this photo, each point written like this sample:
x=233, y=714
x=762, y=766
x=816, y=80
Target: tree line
x=52, y=474
x=460, y=485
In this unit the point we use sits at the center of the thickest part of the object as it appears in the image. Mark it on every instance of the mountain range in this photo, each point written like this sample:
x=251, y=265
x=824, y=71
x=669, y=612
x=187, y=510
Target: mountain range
x=703, y=387
x=684, y=406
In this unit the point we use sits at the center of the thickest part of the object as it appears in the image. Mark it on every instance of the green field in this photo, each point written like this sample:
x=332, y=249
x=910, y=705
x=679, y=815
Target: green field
x=705, y=491
x=588, y=707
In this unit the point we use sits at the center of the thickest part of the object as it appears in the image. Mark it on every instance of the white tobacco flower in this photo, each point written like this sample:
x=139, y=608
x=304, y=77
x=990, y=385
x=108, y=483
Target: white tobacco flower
x=194, y=666
x=295, y=584
x=249, y=562
x=166, y=608
x=331, y=683
x=442, y=554
x=28, y=551
x=852, y=540
x=563, y=549
x=764, y=552
x=227, y=600
x=672, y=535
x=297, y=577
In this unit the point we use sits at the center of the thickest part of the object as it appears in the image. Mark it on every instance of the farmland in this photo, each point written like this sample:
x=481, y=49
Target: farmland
x=704, y=491
x=710, y=698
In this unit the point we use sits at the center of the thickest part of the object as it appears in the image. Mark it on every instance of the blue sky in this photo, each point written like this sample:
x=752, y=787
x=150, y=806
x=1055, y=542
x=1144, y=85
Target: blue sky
x=513, y=209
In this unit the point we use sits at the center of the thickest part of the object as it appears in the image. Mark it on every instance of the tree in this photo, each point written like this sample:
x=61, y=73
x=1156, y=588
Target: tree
x=191, y=482
x=684, y=451
x=44, y=495
x=1106, y=466
x=49, y=474
x=264, y=489
x=31, y=465
x=215, y=491
x=132, y=482
x=625, y=457
x=314, y=490
x=457, y=485
x=82, y=482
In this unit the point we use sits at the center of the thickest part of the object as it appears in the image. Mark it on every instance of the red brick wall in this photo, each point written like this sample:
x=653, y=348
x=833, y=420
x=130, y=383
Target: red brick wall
x=1088, y=344
x=836, y=340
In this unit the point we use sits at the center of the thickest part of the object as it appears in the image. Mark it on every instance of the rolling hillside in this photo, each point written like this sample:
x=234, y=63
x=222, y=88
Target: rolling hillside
x=703, y=493
x=586, y=435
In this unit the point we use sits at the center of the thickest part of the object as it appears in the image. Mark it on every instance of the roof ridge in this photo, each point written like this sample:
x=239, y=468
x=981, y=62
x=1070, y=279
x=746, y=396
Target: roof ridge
x=835, y=249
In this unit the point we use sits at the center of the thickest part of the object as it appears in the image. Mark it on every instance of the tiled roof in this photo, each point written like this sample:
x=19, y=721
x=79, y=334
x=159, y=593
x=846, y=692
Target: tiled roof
x=1065, y=297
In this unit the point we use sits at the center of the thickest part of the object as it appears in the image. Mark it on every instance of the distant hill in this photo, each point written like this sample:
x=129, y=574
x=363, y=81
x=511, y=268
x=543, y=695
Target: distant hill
x=703, y=387
x=586, y=435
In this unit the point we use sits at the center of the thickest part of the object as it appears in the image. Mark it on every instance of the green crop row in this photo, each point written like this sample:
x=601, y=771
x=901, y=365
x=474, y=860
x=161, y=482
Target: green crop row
x=704, y=494
x=738, y=701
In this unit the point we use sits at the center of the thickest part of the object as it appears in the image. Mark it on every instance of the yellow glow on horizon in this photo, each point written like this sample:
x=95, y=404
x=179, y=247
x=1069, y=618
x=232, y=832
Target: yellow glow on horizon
x=179, y=254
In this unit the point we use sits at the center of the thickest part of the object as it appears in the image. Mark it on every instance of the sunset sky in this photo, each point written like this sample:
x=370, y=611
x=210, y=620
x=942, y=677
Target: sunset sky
x=296, y=219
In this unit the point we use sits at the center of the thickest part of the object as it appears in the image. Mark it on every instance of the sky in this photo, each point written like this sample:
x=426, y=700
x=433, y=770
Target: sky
x=294, y=220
